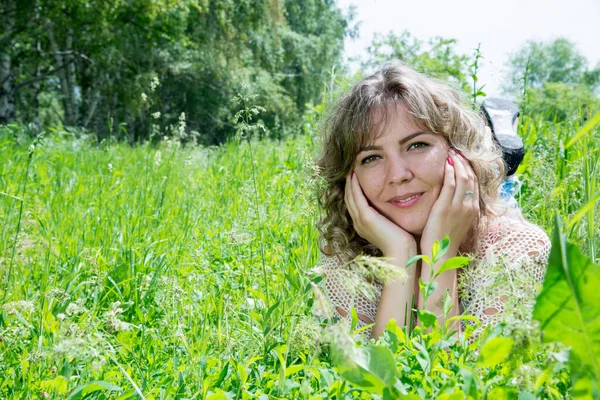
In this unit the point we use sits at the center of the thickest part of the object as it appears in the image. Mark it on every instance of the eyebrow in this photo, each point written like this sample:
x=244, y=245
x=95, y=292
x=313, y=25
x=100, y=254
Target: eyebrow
x=400, y=142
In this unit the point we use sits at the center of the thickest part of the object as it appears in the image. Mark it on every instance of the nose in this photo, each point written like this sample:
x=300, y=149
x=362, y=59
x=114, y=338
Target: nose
x=397, y=171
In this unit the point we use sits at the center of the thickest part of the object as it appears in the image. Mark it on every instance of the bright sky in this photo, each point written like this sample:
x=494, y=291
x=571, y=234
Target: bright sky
x=502, y=26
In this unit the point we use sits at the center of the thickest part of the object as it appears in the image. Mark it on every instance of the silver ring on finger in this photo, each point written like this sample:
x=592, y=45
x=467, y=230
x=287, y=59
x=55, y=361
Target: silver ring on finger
x=468, y=193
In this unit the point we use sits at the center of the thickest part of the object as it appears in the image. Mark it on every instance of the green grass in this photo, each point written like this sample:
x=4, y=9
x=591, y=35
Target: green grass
x=161, y=272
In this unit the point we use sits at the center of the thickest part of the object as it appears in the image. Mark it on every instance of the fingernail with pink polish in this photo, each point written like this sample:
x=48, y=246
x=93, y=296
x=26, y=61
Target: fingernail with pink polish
x=449, y=159
x=352, y=175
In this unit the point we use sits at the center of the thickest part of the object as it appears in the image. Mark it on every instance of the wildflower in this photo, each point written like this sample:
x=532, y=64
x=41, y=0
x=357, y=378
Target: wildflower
x=144, y=97
x=57, y=293
x=109, y=167
x=182, y=124
x=113, y=323
x=21, y=306
x=154, y=83
x=61, y=316
x=250, y=302
x=157, y=158
x=74, y=309
x=156, y=115
x=31, y=148
x=71, y=348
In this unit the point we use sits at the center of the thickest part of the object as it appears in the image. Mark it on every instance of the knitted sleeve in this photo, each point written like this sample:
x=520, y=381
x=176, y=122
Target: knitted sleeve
x=507, y=273
x=338, y=287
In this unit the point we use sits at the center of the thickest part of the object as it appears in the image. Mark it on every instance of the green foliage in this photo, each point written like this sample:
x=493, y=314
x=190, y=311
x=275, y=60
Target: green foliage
x=436, y=57
x=82, y=63
x=569, y=311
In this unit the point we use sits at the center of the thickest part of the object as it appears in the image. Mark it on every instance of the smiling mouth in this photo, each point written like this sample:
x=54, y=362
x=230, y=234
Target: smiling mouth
x=406, y=201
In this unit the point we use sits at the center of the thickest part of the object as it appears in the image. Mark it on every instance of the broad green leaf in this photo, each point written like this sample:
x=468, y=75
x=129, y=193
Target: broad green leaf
x=494, y=352
x=427, y=318
x=371, y=368
x=453, y=263
x=382, y=364
x=568, y=306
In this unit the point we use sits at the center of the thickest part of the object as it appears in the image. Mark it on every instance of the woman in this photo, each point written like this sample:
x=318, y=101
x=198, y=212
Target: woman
x=406, y=164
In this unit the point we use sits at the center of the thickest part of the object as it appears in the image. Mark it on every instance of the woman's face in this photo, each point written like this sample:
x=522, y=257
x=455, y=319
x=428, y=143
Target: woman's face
x=401, y=172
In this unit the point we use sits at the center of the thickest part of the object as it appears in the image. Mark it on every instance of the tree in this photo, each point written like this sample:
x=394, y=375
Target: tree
x=556, y=61
x=95, y=58
x=436, y=57
x=553, y=80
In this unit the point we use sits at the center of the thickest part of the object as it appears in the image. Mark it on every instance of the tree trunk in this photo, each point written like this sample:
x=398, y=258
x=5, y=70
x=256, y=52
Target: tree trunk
x=8, y=98
x=65, y=75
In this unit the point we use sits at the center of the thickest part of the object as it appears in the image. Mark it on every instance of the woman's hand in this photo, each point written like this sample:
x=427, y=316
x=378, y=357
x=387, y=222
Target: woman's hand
x=374, y=227
x=455, y=209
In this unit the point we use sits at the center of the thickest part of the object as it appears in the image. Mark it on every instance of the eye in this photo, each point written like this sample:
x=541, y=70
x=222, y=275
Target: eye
x=369, y=159
x=417, y=145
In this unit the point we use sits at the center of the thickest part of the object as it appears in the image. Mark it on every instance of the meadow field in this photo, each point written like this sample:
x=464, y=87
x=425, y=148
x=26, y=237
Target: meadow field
x=167, y=271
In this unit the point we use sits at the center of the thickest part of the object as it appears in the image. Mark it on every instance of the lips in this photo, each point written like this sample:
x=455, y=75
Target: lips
x=406, y=200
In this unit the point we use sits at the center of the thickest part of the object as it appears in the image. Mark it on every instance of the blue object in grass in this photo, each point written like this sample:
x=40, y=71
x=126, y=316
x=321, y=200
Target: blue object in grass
x=509, y=187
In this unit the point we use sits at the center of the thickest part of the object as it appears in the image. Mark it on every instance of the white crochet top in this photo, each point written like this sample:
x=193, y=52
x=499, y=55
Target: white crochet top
x=501, y=282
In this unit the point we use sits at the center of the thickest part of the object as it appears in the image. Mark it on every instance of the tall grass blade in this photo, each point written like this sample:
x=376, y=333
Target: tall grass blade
x=585, y=129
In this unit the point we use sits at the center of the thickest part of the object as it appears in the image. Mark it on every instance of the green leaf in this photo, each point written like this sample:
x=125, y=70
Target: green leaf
x=354, y=319
x=568, y=306
x=427, y=318
x=494, y=352
x=372, y=368
x=434, y=250
x=427, y=289
x=447, y=302
x=413, y=260
x=382, y=364
x=441, y=248
x=83, y=390
x=453, y=263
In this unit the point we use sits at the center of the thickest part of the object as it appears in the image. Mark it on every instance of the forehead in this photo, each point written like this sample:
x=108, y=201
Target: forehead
x=391, y=119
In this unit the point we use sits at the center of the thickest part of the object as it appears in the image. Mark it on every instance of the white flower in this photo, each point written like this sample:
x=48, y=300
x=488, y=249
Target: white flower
x=144, y=97
x=31, y=148
x=156, y=115
x=250, y=302
x=154, y=83
x=109, y=167
x=21, y=306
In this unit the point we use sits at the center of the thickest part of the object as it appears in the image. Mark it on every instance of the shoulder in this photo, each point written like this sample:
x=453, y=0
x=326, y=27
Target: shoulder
x=516, y=239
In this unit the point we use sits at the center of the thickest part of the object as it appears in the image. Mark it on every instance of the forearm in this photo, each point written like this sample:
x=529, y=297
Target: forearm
x=397, y=295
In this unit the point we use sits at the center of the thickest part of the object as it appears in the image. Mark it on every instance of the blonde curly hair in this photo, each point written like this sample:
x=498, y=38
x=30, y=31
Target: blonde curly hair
x=435, y=107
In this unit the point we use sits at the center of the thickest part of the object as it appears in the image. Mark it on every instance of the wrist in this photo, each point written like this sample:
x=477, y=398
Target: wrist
x=401, y=254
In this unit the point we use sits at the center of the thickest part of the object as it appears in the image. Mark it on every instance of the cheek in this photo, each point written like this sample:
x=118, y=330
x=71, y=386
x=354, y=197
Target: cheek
x=434, y=166
x=371, y=183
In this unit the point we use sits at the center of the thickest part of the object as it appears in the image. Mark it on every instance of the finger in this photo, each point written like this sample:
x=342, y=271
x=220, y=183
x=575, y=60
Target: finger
x=350, y=199
x=473, y=183
x=359, y=197
x=447, y=192
x=463, y=183
x=476, y=192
